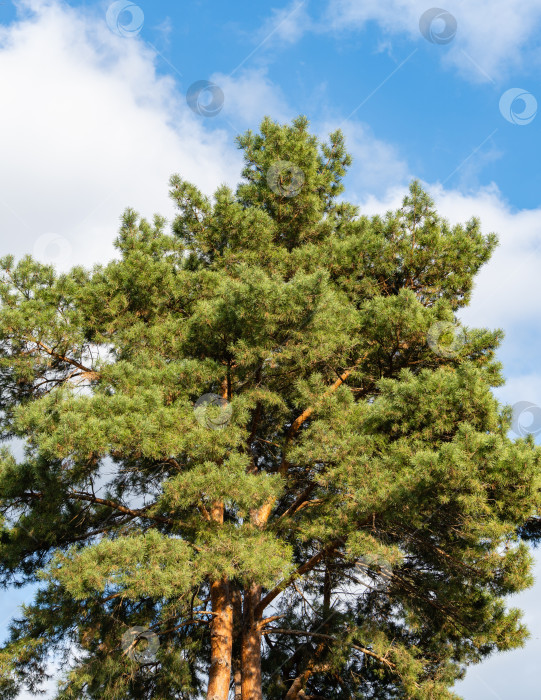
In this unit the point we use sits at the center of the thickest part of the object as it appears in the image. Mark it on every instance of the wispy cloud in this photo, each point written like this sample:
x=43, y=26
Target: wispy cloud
x=92, y=129
x=493, y=36
x=287, y=24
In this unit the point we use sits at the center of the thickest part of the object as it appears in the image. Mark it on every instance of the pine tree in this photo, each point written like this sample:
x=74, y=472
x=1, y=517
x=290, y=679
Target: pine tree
x=260, y=457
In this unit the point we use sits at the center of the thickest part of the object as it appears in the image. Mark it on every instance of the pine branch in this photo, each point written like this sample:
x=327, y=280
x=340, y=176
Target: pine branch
x=330, y=638
x=89, y=372
x=305, y=568
x=139, y=513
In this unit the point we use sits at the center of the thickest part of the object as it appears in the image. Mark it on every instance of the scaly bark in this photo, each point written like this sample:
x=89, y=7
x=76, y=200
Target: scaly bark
x=251, y=646
x=221, y=641
x=237, y=642
x=221, y=630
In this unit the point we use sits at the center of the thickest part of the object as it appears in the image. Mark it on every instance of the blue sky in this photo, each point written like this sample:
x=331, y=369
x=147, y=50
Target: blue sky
x=95, y=119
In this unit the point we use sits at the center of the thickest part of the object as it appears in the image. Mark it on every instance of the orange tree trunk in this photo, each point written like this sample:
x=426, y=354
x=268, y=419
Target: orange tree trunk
x=221, y=641
x=251, y=646
x=221, y=629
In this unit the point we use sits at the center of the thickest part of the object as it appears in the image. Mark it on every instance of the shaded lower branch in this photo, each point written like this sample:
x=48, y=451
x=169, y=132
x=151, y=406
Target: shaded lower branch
x=317, y=635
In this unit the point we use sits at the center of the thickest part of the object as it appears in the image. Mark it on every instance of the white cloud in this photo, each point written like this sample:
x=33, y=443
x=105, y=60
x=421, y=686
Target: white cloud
x=519, y=389
x=89, y=128
x=287, y=24
x=376, y=163
x=508, y=288
x=48, y=687
x=492, y=36
x=251, y=96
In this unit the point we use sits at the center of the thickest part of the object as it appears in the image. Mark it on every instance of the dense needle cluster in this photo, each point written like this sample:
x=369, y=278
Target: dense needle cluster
x=350, y=531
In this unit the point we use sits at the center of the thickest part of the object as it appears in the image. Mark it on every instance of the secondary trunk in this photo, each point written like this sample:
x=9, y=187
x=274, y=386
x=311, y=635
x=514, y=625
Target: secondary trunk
x=296, y=690
x=236, y=597
x=237, y=680
x=251, y=647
